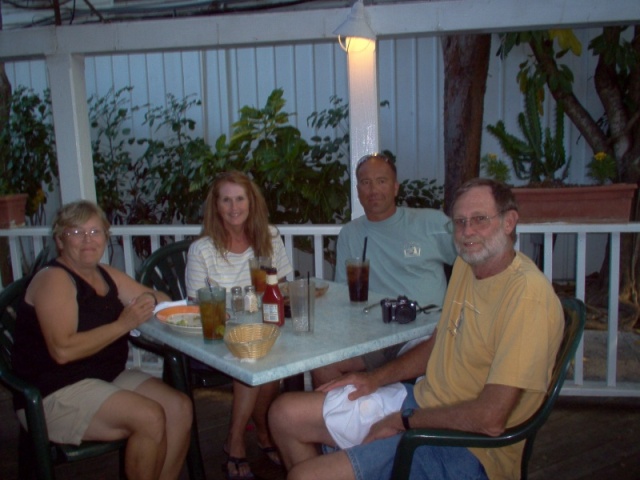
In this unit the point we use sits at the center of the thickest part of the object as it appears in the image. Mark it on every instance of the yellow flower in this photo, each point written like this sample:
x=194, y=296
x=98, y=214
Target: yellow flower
x=600, y=156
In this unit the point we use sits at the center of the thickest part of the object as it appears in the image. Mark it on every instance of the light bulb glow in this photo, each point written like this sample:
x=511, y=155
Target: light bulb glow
x=356, y=44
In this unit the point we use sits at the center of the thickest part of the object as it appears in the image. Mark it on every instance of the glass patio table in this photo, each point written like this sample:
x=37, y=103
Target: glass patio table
x=342, y=330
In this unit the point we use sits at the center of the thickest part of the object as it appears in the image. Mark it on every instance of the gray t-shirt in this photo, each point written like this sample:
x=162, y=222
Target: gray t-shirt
x=406, y=252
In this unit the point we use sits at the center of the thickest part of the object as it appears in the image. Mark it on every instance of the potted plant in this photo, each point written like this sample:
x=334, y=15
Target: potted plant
x=28, y=162
x=539, y=158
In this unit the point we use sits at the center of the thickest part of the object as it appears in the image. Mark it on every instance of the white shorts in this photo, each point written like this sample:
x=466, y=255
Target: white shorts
x=349, y=421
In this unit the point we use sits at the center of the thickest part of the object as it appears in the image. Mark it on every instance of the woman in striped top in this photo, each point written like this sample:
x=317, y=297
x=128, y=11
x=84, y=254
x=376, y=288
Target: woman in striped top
x=235, y=229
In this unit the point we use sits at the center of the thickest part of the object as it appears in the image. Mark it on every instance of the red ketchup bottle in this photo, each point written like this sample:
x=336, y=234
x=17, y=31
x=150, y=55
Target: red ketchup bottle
x=273, y=300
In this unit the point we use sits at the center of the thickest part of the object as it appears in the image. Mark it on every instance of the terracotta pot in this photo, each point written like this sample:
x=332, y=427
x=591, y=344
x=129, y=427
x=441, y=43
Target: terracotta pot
x=12, y=210
x=599, y=203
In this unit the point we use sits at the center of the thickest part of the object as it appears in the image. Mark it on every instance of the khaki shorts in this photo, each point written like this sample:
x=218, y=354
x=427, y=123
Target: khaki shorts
x=69, y=411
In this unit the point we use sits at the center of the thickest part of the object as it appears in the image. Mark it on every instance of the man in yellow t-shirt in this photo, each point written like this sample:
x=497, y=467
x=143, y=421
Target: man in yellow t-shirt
x=487, y=366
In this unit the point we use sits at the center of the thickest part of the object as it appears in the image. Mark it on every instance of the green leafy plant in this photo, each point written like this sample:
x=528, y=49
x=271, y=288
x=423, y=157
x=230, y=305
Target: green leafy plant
x=496, y=168
x=602, y=168
x=299, y=183
x=28, y=162
x=540, y=156
x=171, y=165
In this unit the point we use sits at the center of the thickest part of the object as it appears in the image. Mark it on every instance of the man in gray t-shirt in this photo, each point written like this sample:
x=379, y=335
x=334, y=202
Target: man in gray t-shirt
x=407, y=250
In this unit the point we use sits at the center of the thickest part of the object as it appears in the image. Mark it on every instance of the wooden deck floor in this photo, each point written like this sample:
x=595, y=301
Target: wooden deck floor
x=584, y=439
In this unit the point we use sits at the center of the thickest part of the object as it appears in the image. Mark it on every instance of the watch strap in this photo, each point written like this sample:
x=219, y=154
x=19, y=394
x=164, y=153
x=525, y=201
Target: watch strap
x=406, y=414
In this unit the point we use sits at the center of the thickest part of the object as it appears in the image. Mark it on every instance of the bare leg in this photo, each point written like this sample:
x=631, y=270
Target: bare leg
x=268, y=392
x=298, y=427
x=129, y=415
x=244, y=401
x=322, y=375
x=178, y=411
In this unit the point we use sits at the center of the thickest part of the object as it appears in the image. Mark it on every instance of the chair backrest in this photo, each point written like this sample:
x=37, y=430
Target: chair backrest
x=165, y=268
x=9, y=299
x=574, y=318
x=574, y=322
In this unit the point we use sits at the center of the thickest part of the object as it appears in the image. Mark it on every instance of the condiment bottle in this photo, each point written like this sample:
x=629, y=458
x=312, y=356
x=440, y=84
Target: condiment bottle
x=273, y=300
x=250, y=299
x=237, y=300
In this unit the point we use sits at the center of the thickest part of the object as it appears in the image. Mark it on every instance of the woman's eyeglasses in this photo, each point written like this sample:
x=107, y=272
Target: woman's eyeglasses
x=77, y=234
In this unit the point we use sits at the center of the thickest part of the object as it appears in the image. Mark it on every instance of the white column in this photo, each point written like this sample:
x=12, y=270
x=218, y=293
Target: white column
x=363, y=112
x=71, y=119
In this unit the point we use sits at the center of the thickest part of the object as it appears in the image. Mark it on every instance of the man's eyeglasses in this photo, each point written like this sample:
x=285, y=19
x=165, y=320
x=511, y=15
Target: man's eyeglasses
x=379, y=156
x=479, y=222
x=78, y=234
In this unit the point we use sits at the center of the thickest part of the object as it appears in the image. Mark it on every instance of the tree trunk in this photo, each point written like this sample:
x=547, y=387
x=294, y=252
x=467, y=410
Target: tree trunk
x=466, y=63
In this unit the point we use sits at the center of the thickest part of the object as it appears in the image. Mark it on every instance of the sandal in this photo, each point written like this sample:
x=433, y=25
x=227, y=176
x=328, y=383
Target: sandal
x=238, y=463
x=272, y=453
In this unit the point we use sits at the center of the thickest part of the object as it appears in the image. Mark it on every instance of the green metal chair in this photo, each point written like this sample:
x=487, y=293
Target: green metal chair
x=164, y=270
x=37, y=456
x=575, y=315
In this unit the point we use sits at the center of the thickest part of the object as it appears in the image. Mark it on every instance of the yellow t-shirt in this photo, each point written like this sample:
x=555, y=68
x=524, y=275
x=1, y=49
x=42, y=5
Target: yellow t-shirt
x=505, y=330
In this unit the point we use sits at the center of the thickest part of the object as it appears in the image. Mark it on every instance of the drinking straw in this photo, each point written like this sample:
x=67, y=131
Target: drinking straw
x=209, y=284
x=308, y=303
x=364, y=250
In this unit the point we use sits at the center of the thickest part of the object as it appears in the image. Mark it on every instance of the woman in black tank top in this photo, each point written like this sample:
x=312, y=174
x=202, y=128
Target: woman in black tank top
x=71, y=336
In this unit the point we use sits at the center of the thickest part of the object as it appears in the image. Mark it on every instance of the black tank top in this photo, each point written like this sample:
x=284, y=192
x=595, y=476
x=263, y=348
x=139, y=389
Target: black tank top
x=31, y=359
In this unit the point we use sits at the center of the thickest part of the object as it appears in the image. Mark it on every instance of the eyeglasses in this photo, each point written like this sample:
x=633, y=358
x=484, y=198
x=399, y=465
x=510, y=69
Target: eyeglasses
x=379, y=156
x=479, y=222
x=78, y=234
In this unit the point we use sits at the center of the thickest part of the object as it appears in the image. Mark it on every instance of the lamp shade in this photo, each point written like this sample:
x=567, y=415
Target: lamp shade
x=356, y=24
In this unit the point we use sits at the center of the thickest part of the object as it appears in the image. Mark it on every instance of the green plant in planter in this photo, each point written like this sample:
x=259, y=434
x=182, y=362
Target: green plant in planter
x=496, y=168
x=28, y=162
x=540, y=156
x=602, y=168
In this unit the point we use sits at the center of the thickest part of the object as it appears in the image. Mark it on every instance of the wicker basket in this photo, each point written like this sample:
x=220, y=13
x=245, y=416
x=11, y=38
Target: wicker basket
x=253, y=340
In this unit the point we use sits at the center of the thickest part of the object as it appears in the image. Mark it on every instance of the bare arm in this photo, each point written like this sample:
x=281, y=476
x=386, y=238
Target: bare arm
x=487, y=414
x=129, y=289
x=53, y=295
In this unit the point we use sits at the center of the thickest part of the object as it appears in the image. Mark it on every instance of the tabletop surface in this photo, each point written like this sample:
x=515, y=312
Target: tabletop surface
x=341, y=331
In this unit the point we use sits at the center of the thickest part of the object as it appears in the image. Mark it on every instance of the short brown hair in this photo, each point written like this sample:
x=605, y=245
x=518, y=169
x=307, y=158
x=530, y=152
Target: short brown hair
x=76, y=213
x=502, y=195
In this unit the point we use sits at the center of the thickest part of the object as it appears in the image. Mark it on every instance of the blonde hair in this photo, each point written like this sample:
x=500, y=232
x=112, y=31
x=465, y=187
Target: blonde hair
x=75, y=214
x=256, y=228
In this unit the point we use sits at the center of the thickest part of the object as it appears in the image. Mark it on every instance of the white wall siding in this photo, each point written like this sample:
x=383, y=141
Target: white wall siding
x=410, y=78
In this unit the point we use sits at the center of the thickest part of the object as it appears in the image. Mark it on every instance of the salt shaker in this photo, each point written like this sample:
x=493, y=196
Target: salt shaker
x=250, y=299
x=237, y=300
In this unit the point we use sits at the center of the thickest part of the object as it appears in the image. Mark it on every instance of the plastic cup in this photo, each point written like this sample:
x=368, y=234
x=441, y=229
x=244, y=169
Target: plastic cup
x=213, y=314
x=358, y=278
x=302, y=297
x=258, y=268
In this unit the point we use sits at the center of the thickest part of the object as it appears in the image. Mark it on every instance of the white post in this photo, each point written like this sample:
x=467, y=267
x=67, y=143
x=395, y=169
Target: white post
x=71, y=120
x=363, y=111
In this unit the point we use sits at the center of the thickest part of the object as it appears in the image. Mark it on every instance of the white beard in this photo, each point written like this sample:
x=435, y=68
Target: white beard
x=493, y=246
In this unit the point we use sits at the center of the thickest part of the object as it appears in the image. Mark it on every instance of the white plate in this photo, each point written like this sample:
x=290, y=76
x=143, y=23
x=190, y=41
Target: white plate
x=185, y=319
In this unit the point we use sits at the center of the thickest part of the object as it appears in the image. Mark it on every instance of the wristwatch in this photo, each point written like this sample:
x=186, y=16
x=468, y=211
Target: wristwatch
x=406, y=414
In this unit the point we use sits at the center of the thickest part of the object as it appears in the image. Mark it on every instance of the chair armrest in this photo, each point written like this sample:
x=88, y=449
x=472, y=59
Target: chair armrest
x=34, y=413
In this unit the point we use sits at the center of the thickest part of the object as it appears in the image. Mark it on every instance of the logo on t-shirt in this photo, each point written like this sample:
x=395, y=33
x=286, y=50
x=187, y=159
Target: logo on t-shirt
x=411, y=249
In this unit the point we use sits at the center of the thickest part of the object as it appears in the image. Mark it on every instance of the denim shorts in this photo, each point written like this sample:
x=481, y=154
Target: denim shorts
x=375, y=460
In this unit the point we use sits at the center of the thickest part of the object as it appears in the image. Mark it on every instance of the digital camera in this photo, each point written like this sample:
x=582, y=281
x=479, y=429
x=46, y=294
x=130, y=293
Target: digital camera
x=401, y=310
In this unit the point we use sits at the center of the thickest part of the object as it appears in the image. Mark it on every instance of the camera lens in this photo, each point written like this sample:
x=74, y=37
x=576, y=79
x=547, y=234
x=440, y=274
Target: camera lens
x=405, y=314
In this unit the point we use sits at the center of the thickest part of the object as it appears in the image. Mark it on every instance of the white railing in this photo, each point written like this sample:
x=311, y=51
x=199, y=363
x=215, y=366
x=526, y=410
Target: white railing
x=25, y=243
